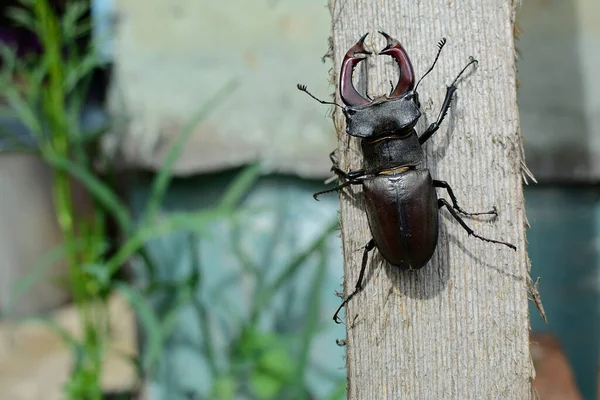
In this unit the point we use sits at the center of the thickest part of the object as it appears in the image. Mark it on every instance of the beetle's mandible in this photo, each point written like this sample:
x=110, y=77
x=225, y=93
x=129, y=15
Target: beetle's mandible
x=401, y=200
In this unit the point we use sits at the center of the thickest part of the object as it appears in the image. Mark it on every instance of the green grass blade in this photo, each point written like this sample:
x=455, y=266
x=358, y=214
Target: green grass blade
x=195, y=222
x=312, y=320
x=149, y=321
x=162, y=180
x=240, y=186
x=292, y=267
x=38, y=273
x=22, y=17
x=99, y=190
x=22, y=110
x=60, y=330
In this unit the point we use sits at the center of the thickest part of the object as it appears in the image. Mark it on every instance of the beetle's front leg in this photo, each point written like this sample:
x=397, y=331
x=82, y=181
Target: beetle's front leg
x=351, y=175
x=445, y=107
x=350, y=178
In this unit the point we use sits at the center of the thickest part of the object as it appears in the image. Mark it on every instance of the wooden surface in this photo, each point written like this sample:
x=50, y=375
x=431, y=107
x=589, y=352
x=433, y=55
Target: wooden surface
x=458, y=328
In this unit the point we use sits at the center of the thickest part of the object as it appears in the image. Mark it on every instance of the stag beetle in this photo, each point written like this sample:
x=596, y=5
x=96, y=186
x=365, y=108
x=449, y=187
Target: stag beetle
x=401, y=200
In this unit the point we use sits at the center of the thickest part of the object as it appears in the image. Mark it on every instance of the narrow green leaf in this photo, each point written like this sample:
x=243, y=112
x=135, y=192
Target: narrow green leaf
x=240, y=186
x=162, y=180
x=339, y=393
x=38, y=273
x=60, y=330
x=150, y=322
x=8, y=56
x=312, y=320
x=101, y=192
x=23, y=110
x=36, y=77
x=266, y=295
x=71, y=19
x=224, y=388
x=195, y=222
x=22, y=17
x=81, y=68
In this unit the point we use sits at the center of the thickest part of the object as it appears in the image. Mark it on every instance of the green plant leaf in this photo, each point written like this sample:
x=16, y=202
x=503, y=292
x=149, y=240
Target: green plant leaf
x=38, y=273
x=278, y=362
x=265, y=296
x=195, y=222
x=71, y=19
x=99, y=190
x=240, y=186
x=264, y=386
x=60, y=330
x=22, y=17
x=312, y=319
x=149, y=321
x=162, y=180
x=80, y=69
x=224, y=388
x=23, y=110
x=339, y=393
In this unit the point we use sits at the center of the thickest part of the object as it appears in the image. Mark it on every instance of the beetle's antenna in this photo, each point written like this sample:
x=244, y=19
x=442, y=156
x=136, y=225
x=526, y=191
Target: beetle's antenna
x=441, y=45
x=473, y=61
x=302, y=88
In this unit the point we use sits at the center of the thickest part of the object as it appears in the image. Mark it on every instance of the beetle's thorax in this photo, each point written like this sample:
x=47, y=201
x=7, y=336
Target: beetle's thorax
x=393, y=151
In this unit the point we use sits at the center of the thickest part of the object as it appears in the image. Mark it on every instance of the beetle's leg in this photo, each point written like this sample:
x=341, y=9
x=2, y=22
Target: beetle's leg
x=335, y=189
x=445, y=185
x=443, y=202
x=351, y=175
x=370, y=246
x=333, y=158
x=445, y=107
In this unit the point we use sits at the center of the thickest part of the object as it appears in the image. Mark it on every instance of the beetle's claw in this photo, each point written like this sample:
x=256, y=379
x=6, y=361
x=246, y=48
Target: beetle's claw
x=391, y=42
x=359, y=47
x=406, y=82
x=348, y=92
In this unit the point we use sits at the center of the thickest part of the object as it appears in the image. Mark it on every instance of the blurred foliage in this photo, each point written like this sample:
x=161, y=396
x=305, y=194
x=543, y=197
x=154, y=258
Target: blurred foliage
x=46, y=92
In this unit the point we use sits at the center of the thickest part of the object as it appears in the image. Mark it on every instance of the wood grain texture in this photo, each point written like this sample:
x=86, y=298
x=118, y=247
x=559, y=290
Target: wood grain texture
x=458, y=328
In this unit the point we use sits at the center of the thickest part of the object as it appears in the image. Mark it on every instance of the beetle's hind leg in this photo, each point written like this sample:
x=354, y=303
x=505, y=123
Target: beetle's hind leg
x=445, y=185
x=369, y=246
x=443, y=202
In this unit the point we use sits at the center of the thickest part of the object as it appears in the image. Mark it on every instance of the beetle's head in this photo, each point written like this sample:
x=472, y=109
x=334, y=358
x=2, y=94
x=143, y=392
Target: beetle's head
x=357, y=53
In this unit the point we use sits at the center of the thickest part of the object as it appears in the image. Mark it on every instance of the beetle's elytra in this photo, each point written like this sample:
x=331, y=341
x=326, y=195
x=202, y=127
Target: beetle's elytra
x=401, y=200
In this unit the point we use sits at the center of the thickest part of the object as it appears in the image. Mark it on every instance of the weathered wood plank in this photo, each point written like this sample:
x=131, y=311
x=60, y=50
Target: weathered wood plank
x=458, y=328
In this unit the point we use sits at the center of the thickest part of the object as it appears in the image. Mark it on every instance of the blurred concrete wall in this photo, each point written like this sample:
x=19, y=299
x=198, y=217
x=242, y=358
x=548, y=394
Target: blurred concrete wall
x=171, y=57
x=28, y=231
x=559, y=94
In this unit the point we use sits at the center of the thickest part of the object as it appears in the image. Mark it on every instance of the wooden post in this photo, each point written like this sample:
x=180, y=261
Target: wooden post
x=458, y=328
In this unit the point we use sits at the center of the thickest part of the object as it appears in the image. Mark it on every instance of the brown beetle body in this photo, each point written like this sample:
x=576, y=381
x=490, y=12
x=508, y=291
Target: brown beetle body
x=404, y=223
x=401, y=200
